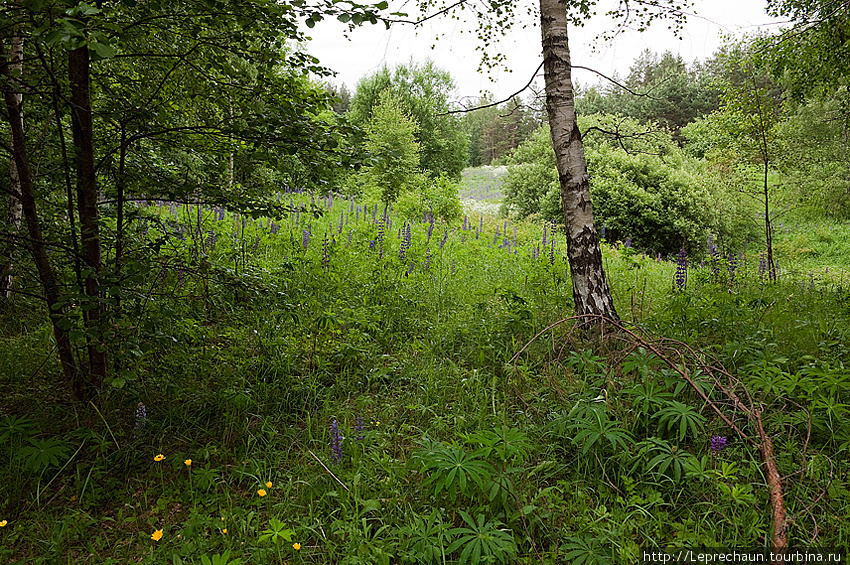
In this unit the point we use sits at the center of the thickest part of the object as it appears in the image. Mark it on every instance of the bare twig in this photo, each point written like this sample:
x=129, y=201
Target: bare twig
x=328, y=470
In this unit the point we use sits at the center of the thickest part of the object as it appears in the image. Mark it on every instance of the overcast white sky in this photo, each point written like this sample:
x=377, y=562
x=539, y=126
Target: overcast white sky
x=372, y=46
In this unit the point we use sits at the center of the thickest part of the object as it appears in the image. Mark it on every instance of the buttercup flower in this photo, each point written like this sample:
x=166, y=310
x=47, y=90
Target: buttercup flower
x=224, y=531
x=159, y=457
x=3, y=523
x=262, y=492
x=296, y=546
x=188, y=462
x=157, y=535
x=269, y=484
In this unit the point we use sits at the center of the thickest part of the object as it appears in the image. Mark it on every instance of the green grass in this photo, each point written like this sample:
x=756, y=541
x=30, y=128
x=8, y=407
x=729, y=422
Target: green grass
x=579, y=449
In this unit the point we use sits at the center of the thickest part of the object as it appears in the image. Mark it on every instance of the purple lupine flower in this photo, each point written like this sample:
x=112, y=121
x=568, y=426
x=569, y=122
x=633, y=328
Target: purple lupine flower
x=411, y=269
x=336, y=443
x=717, y=444
x=305, y=238
x=602, y=232
x=465, y=225
x=211, y=240
x=453, y=267
x=496, y=236
x=733, y=265
x=141, y=421
x=681, y=269
x=350, y=233
x=463, y=238
x=427, y=263
x=405, y=242
x=256, y=244
x=372, y=244
x=535, y=252
x=326, y=252
x=552, y=252
x=357, y=214
x=341, y=220
x=430, y=230
x=628, y=243
x=762, y=264
x=445, y=237
x=359, y=427
x=275, y=227
x=505, y=227
x=544, y=235
x=480, y=224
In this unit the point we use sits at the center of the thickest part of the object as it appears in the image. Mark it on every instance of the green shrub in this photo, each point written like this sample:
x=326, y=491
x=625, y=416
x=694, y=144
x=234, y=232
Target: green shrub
x=427, y=195
x=658, y=201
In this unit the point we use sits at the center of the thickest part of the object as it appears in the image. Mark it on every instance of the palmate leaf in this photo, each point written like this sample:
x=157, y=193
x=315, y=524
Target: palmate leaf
x=596, y=429
x=681, y=417
x=452, y=469
x=507, y=444
x=585, y=552
x=482, y=541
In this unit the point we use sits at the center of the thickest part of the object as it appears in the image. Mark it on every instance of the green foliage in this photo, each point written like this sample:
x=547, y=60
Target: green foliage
x=482, y=541
x=682, y=419
x=664, y=91
x=426, y=539
x=592, y=449
x=425, y=195
x=422, y=92
x=453, y=470
x=660, y=201
x=594, y=428
x=390, y=138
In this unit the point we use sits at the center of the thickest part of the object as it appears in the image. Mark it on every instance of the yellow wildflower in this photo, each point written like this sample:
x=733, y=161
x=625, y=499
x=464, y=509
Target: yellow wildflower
x=296, y=546
x=224, y=531
x=262, y=492
x=157, y=535
x=3, y=523
x=269, y=484
x=159, y=457
x=188, y=462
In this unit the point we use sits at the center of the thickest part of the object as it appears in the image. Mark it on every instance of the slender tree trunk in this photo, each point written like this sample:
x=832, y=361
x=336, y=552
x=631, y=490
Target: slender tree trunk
x=36, y=245
x=768, y=228
x=15, y=66
x=83, y=133
x=590, y=287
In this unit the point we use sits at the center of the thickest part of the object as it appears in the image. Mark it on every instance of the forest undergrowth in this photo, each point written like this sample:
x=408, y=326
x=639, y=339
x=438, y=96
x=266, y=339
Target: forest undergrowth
x=345, y=387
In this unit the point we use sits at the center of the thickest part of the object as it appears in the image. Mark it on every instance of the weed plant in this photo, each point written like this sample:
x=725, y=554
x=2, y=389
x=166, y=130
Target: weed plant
x=277, y=400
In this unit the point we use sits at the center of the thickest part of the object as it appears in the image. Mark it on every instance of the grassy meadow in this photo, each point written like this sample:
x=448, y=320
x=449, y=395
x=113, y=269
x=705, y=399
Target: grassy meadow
x=337, y=388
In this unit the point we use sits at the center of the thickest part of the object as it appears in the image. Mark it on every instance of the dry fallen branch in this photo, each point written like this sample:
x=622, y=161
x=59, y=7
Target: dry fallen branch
x=678, y=356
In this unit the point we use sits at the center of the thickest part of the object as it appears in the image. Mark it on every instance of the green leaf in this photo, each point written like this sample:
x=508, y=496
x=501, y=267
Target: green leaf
x=102, y=50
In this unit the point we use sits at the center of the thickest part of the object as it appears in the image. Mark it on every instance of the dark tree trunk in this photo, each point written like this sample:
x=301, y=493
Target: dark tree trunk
x=590, y=287
x=14, y=211
x=36, y=245
x=83, y=133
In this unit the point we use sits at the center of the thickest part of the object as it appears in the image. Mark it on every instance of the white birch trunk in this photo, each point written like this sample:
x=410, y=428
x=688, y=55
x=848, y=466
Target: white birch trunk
x=590, y=287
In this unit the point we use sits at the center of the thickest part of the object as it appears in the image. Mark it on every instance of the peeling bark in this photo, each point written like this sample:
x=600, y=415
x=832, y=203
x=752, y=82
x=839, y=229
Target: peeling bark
x=591, y=293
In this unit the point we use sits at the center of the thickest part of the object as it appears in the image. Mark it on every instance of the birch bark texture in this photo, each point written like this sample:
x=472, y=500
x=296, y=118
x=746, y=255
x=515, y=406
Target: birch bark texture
x=591, y=293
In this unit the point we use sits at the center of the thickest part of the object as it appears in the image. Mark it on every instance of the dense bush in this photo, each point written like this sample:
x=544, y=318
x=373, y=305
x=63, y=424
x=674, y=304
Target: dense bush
x=434, y=196
x=643, y=187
